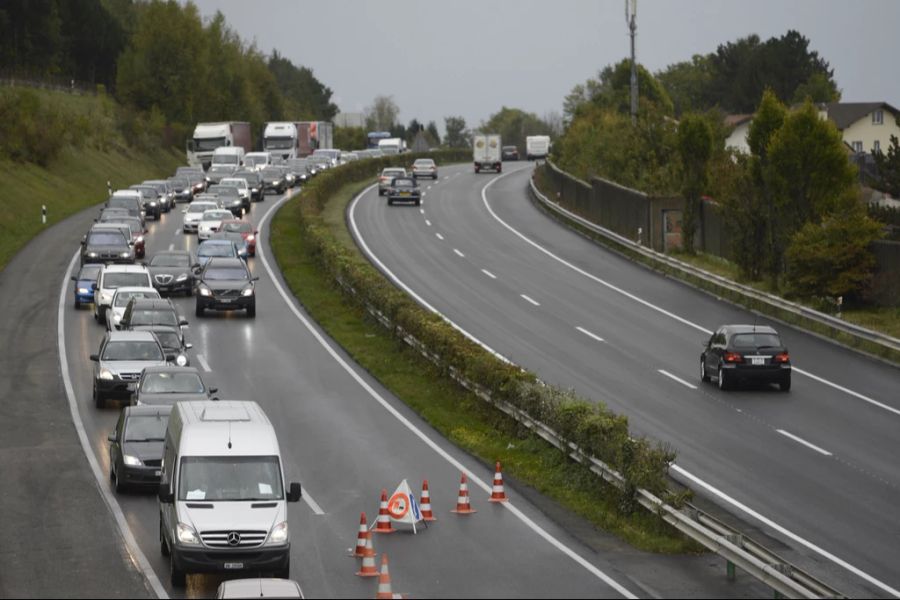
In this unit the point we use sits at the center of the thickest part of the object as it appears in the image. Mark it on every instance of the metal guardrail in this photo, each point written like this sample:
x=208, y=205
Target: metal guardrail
x=875, y=337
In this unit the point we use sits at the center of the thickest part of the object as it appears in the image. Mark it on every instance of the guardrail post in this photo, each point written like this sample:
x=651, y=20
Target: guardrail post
x=784, y=569
x=730, y=569
x=43, y=214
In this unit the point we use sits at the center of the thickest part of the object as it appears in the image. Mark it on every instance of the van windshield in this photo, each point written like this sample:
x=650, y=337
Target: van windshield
x=230, y=478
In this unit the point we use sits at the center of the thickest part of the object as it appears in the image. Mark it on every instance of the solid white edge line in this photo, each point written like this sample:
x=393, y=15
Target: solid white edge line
x=765, y=520
x=439, y=236
x=531, y=300
x=202, y=360
x=427, y=222
x=700, y=482
x=458, y=253
x=131, y=545
x=800, y=440
x=489, y=274
x=422, y=211
x=415, y=430
x=589, y=334
x=678, y=379
x=847, y=391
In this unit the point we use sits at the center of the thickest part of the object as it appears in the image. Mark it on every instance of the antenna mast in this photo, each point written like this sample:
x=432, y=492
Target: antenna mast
x=631, y=22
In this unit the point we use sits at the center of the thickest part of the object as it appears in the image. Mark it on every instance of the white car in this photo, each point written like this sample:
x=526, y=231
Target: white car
x=241, y=184
x=120, y=299
x=424, y=167
x=194, y=212
x=257, y=160
x=113, y=277
x=259, y=588
x=211, y=221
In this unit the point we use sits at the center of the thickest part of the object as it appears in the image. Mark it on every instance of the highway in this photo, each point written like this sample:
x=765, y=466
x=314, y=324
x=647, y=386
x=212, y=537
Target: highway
x=815, y=468
x=345, y=438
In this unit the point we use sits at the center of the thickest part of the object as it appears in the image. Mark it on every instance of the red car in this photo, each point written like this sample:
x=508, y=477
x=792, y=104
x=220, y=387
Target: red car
x=245, y=229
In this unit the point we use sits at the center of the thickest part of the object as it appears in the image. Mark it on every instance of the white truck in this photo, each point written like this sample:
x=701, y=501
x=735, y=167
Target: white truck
x=392, y=145
x=537, y=146
x=282, y=139
x=486, y=152
x=209, y=136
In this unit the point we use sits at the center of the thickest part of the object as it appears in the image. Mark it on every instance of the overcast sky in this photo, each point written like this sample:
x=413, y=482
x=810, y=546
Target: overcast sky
x=469, y=58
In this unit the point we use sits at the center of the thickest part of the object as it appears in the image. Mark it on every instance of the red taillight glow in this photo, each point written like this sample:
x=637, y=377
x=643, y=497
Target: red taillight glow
x=733, y=357
x=781, y=358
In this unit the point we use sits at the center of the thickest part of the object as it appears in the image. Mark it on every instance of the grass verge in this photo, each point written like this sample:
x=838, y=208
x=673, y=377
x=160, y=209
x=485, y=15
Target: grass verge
x=459, y=415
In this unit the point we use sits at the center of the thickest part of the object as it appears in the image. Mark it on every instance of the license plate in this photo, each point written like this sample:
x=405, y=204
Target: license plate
x=132, y=385
x=225, y=300
x=404, y=193
x=757, y=360
x=157, y=473
x=234, y=565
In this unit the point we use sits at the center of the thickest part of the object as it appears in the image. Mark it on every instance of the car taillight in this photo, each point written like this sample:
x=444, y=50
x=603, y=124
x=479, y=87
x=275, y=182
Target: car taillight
x=733, y=357
x=781, y=358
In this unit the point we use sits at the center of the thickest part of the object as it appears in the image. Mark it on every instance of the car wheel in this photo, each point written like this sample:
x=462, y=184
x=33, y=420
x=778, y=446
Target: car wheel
x=177, y=577
x=118, y=483
x=723, y=384
x=77, y=303
x=785, y=384
x=99, y=401
x=198, y=311
x=703, y=375
x=390, y=202
x=190, y=291
x=251, y=311
x=163, y=546
x=418, y=202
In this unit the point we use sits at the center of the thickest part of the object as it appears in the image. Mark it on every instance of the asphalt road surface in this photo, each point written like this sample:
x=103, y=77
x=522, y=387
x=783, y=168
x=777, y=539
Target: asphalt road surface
x=816, y=467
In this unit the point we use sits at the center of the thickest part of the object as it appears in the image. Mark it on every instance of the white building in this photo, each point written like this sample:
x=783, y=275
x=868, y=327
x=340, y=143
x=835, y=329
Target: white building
x=349, y=120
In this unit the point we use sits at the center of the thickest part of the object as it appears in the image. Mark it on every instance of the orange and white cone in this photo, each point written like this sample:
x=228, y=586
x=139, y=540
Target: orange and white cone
x=425, y=503
x=362, y=536
x=462, y=503
x=368, y=568
x=384, y=582
x=383, y=524
x=498, y=494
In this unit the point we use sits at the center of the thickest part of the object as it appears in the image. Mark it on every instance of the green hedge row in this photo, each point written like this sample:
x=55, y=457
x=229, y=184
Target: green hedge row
x=595, y=429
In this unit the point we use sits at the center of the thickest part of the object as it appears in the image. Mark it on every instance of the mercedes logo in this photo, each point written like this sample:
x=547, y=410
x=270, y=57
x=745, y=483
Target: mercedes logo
x=234, y=538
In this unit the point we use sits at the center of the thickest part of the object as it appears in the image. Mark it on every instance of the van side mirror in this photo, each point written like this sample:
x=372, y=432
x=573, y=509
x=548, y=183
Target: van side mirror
x=165, y=494
x=183, y=322
x=171, y=358
x=294, y=493
x=213, y=390
x=95, y=357
x=112, y=437
x=94, y=286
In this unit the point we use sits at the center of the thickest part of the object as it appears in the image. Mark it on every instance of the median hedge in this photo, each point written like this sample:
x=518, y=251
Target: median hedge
x=591, y=426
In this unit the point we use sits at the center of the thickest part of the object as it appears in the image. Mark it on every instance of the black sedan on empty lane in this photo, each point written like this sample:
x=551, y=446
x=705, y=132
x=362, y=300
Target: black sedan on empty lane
x=746, y=353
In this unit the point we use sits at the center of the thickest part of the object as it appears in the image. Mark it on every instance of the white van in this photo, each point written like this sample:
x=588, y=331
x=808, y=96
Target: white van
x=537, y=146
x=257, y=161
x=231, y=156
x=222, y=499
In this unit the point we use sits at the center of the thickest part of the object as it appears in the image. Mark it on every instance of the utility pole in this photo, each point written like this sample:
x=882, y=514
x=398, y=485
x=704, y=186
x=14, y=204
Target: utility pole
x=631, y=21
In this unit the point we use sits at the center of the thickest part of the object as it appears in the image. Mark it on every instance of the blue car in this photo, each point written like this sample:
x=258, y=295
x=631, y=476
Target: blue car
x=216, y=248
x=84, y=283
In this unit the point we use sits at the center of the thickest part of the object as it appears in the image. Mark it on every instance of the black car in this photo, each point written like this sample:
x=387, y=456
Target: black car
x=195, y=176
x=118, y=365
x=217, y=173
x=150, y=311
x=168, y=385
x=136, y=446
x=172, y=272
x=746, y=353
x=404, y=189
x=226, y=284
x=229, y=198
x=172, y=340
x=151, y=200
x=135, y=224
x=106, y=246
x=300, y=169
x=255, y=181
x=273, y=179
x=166, y=190
x=182, y=189
x=509, y=153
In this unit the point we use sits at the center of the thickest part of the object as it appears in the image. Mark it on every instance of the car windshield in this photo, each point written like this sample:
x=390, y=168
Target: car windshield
x=227, y=190
x=255, y=160
x=116, y=280
x=216, y=249
x=230, y=478
x=170, y=260
x=199, y=208
x=756, y=340
x=121, y=202
x=233, y=183
x=215, y=215
x=146, y=428
x=226, y=274
x=154, y=316
x=122, y=298
x=91, y=272
x=107, y=238
x=236, y=227
x=132, y=350
x=172, y=383
x=424, y=162
x=394, y=172
x=404, y=183
x=226, y=159
x=169, y=339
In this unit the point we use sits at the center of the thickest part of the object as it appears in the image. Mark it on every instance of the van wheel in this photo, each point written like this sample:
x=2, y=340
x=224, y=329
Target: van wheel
x=163, y=546
x=785, y=384
x=176, y=577
x=198, y=311
x=77, y=303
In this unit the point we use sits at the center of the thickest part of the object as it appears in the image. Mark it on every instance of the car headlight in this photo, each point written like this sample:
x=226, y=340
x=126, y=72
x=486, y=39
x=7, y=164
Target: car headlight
x=182, y=277
x=251, y=238
x=247, y=292
x=205, y=291
x=125, y=254
x=139, y=239
x=279, y=534
x=106, y=374
x=132, y=461
x=92, y=255
x=181, y=360
x=187, y=535
x=84, y=291
x=117, y=317
x=105, y=298
x=153, y=203
x=254, y=190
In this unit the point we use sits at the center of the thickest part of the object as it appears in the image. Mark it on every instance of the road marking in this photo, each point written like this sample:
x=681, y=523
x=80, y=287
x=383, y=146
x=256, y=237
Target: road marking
x=804, y=442
x=179, y=232
x=678, y=379
x=137, y=556
x=422, y=211
x=424, y=194
x=458, y=253
x=439, y=236
x=428, y=188
x=489, y=274
x=171, y=247
x=847, y=391
x=531, y=300
x=427, y=222
x=589, y=334
x=202, y=360
x=312, y=503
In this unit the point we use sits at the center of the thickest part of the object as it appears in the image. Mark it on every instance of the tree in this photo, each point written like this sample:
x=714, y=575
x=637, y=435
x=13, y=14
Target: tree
x=306, y=97
x=889, y=168
x=818, y=88
x=350, y=137
x=695, y=149
x=514, y=125
x=612, y=89
x=688, y=84
x=457, y=134
x=432, y=134
x=382, y=115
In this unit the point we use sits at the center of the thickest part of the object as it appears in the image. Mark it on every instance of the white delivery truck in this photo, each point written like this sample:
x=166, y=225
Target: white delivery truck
x=222, y=497
x=391, y=145
x=282, y=139
x=486, y=152
x=231, y=156
x=537, y=146
x=209, y=136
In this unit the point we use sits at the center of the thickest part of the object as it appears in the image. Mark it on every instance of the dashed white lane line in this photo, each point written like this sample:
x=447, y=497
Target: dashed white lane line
x=530, y=300
x=428, y=188
x=312, y=503
x=458, y=253
x=424, y=194
x=427, y=222
x=678, y=379
x=804, y=442
x=171, y=247
x=489, y=274
x=422, y=211
x=439, y=236
x=589, y=334
x=202, y=360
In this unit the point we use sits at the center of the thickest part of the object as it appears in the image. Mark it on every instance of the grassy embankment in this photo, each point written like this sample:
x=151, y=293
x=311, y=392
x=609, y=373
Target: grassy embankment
x=459, y=415
x=77, y=177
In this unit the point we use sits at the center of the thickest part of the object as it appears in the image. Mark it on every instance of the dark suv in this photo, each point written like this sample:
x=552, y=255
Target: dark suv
x=226, y=284
x=118, y=365
x=106, y=246
x=509, y=153
x=150, y=311
x=404, y=189
x=746, y=353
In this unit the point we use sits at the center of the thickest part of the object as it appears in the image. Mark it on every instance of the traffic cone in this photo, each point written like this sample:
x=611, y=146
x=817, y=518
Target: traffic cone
x=383, y=523
x=362, y=536
x=368, y=568
x=384, y=582
x=498, y=494
x=462, y=503
x=425, y=503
